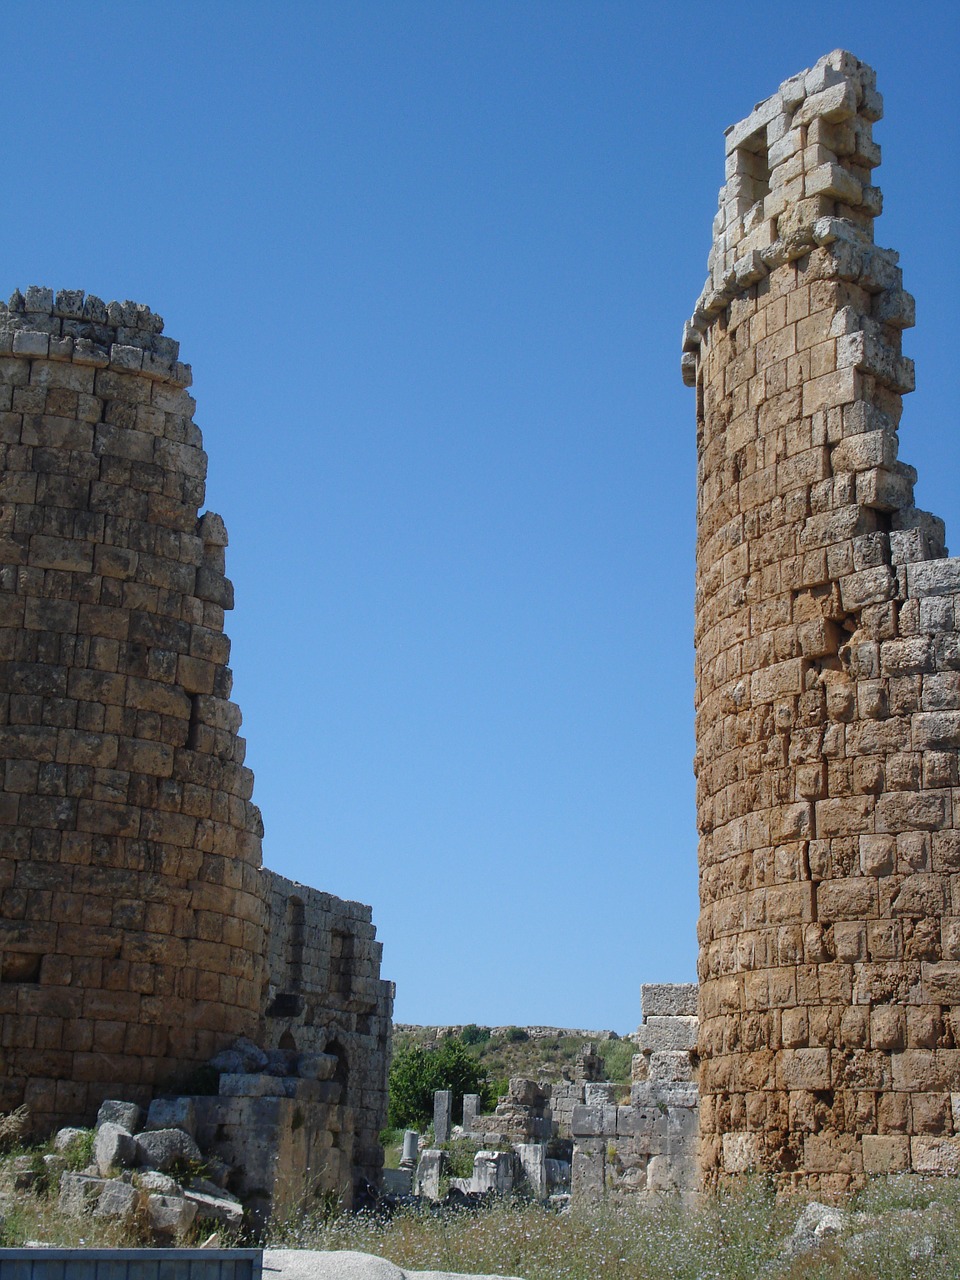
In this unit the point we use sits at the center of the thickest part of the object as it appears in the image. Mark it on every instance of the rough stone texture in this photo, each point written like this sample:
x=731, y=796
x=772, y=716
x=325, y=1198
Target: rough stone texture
x=125, y=1114
x=170, y=1215
x=649, y=1145
x=140, y=935
x=163, y=1148
x=442, y=1114
x=828, y=674
x=326, y=997
x=113, y=1147
x=117, y=1200
x=172, y=1113
x=522, y=1115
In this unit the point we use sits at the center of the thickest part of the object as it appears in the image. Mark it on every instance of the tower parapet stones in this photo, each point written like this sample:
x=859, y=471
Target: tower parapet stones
x=828, y=674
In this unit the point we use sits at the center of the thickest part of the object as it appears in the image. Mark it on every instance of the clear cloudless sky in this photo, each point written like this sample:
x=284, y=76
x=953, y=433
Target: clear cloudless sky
x=429, y=260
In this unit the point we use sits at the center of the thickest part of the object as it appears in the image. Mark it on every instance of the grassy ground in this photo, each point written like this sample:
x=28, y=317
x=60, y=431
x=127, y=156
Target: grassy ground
x=904, y=1228
x=909, y=1229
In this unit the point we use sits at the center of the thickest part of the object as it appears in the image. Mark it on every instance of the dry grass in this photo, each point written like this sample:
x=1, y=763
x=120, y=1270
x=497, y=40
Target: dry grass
x=910, y=1230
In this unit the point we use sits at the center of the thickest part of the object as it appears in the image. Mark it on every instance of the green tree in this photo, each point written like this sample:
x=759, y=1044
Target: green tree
x=417, y=1072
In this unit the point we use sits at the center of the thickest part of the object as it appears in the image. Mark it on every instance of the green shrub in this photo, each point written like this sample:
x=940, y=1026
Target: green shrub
x=513, y=1035
x=617, y=1058
x=417, y=1073
x=80, y=1151
x=472, y=1034
x=459, y=1157
x=493, y=1091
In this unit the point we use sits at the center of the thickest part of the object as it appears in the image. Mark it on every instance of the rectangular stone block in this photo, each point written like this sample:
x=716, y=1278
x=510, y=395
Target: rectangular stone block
x=670, y=999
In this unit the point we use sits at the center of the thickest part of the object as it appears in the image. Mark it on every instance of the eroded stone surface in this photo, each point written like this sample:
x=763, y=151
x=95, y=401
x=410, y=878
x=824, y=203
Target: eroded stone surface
x=828, y=673
x=138, y=915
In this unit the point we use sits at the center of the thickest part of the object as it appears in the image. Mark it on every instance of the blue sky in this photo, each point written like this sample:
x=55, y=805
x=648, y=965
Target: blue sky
x=430, y=262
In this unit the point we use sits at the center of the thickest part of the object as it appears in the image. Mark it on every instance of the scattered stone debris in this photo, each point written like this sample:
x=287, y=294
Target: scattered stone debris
x=132, y=1156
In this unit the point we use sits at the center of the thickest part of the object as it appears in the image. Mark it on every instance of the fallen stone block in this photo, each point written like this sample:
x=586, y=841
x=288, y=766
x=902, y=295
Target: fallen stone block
x=113, y=1148
x=242, y=1058
x=159, y=1183
x=218, y=1208
x=125, y=1114
x=170, y=1215
x=162, y=1148
x=64, y=1139
x=78, y=1192
x=172, y=1113
x=117, y=1200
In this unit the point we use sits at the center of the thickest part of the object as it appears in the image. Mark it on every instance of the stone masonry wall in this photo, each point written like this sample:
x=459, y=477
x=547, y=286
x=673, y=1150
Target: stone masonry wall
x=650, y=1145
x=133, y=914
x=828, y=675
x=326, y=996
x=139, y=934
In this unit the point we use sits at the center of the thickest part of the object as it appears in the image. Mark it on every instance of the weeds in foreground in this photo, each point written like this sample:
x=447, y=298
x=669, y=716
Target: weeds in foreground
x=900, y=1232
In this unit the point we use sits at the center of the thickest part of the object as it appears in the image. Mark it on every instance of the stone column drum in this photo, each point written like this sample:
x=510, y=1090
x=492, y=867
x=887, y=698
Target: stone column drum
x=132, y=934
x=828, y=675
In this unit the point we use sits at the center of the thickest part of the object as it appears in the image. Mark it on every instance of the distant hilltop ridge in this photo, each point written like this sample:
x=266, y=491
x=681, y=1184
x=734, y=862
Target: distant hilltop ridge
x=422, y=1031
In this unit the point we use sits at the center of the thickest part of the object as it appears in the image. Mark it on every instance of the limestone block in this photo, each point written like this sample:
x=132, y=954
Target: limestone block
x=532, y=1158
x=888, y=1153
x=254, y=1086
x=659, y=1033
x=495, y=1171
x=442, y=1109
x=117, y=1200
x=935, y=1155
x=741, y=1152
x=125, y=1114
x=668, y=1066
x=113, y=1148
x=427, y=1179
x=170, y=1215
x=78, y=1191
x=172, y=1113
x=219, y=1207
x=598, y=1093
x=163, y=1148
x=934, y=577
x=588, y=1174
x=64, y=1139
x=666, y=1000
x=471, y=1109
x=161, y=1183
x=587, y=1121
x=317, y=1066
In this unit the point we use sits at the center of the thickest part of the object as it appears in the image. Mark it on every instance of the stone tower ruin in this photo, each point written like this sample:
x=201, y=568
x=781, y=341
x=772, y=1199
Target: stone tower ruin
x=828, y=675
x=140, y=935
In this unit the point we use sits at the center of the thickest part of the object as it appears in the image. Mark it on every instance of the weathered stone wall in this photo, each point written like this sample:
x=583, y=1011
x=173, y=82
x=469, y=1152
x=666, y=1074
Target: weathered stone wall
x=140, y=935
x=828, y=674
x=649, y=1145
x=326, y=996
x=133, y=912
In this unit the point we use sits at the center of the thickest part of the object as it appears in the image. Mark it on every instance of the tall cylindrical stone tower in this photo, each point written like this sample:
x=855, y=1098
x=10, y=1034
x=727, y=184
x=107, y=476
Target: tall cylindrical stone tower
x=828, y=675
x=133, y=913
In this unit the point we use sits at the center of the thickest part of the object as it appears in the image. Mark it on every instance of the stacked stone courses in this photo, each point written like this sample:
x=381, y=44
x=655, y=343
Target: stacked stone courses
x=133, y=920
x=828, y=675
x=140, y=935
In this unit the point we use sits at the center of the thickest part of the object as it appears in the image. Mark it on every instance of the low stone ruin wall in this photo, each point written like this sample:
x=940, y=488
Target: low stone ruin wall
x=581, y=1136
x=650, y=1144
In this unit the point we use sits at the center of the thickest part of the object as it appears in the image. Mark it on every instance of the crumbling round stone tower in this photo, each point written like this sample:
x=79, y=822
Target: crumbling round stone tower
x=828, y=675
x=132, y=938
